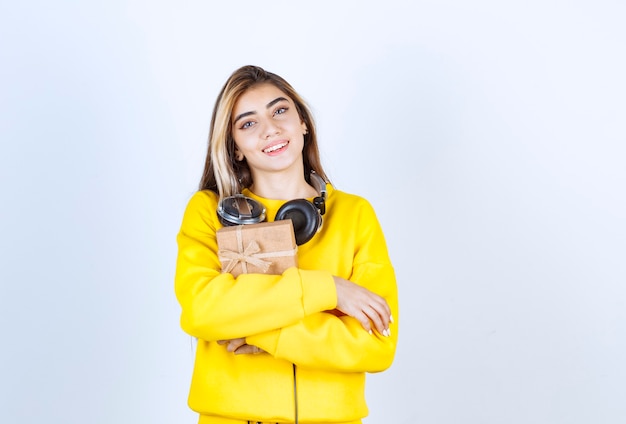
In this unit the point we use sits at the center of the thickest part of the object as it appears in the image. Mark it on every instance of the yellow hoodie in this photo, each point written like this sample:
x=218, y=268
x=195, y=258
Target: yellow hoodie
x=315, y=358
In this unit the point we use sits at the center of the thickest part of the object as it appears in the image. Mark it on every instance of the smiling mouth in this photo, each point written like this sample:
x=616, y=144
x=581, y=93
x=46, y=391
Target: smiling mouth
x=275, y=147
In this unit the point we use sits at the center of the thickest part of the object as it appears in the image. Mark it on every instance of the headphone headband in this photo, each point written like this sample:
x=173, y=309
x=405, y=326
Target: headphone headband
x=318, y=184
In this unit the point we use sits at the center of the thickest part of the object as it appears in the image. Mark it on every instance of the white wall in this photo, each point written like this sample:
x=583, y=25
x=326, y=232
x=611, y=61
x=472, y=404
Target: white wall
x=488, y=135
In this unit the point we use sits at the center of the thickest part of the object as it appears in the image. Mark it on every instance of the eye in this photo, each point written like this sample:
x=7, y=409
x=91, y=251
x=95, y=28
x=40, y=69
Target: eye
x=280, y=110
x=246, y=125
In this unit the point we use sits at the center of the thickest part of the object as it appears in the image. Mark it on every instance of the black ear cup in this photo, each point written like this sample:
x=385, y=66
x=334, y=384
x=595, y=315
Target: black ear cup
x=239, y=210
x=305, y=217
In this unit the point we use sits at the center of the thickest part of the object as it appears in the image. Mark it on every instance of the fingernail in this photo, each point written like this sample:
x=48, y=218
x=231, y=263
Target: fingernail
x=386, y=333
x=391, y=318
x=370, y=332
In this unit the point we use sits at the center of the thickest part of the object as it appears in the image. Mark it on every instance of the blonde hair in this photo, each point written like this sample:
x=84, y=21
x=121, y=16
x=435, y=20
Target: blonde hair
x=223, y=174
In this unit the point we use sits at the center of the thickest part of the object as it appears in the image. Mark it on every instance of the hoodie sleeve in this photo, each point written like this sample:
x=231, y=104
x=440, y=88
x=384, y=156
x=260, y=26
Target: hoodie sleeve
x=329, y=340
x=217, y=306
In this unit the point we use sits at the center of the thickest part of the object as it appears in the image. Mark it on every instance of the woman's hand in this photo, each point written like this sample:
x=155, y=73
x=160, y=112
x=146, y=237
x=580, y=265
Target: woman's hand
x=239, y=346
x=367, y=307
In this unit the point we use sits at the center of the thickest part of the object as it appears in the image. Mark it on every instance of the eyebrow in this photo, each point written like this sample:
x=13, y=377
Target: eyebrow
x=267, y=106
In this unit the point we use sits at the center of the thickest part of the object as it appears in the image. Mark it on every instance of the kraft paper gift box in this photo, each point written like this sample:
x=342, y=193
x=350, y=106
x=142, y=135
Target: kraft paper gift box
x=265, y=248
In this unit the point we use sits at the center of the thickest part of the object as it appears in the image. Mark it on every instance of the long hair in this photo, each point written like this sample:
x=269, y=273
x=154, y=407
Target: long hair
x=223, y=174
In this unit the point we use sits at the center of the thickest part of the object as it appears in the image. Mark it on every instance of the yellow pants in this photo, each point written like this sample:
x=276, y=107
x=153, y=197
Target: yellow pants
x=209, y=419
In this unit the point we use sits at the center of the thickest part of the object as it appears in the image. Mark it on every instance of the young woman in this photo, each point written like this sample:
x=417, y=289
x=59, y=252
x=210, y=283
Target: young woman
x=293, y=347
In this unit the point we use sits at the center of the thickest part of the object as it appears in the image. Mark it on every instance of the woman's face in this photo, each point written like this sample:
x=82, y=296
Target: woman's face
x=267, y=129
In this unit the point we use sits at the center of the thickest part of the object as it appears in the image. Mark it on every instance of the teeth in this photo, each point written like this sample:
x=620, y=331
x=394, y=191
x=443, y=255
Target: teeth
x=276, y=147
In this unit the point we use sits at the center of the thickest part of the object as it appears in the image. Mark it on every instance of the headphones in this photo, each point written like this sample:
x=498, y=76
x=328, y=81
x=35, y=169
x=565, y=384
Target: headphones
x=305, y=216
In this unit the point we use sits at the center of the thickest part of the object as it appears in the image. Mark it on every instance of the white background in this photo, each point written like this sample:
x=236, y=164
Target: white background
x=489, y=136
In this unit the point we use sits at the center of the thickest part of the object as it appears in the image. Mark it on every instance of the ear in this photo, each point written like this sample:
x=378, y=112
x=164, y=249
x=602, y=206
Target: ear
x=238, y=155
x=305, y=130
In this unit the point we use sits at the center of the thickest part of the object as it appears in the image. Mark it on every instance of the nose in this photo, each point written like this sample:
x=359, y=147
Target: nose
x=271, y=129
